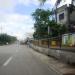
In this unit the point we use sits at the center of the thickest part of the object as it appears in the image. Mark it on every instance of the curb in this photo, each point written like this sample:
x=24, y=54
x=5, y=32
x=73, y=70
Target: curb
x=53, y=67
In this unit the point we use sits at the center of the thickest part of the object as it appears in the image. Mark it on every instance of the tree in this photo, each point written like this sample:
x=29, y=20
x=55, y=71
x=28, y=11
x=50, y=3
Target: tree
x=57, y=29
x=42, y=18
x=4, y=38
x=56, y=4
x=42, y=22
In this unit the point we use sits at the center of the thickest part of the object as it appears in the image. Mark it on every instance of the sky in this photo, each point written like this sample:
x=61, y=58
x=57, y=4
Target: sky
x=15, y=16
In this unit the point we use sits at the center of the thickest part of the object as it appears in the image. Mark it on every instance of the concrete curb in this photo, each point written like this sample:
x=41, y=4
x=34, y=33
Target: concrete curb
x=49, y=65
x=53, y=67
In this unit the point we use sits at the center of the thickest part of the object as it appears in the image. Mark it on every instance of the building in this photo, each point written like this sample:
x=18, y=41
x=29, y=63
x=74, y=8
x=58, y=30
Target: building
x=65, y=14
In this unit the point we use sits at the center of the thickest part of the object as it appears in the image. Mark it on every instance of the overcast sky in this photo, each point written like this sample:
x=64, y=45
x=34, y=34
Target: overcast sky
x=15, y=16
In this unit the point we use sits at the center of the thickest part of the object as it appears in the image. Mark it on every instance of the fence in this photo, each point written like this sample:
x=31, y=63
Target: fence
x=64, y=41
x=62, y=48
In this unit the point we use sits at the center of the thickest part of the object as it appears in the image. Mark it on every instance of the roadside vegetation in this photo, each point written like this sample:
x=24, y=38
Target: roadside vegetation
x=7, y=39
x=43, y=20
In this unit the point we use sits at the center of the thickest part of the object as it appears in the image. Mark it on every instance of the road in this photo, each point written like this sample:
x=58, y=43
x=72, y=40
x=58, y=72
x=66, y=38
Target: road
x=21, y=60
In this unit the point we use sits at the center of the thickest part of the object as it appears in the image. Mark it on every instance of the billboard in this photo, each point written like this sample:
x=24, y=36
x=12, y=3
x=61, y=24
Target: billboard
x=68, y=40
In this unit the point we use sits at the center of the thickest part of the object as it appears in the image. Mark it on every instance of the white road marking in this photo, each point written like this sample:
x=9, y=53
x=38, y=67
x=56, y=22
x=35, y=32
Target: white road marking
x=7, y=62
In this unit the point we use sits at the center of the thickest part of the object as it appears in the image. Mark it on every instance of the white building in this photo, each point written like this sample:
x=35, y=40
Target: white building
x=65, y=14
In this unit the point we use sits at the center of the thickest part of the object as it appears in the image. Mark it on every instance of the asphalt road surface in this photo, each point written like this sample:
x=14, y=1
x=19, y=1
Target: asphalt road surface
x=20, y=60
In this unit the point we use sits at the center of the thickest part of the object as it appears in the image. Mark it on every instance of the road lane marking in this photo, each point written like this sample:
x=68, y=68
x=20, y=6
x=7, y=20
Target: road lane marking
x=7, y=62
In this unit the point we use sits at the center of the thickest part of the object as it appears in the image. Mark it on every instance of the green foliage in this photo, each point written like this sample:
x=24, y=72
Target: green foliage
x=57, y=29
x=4, y=39
x=41, y=18
x=42, y=22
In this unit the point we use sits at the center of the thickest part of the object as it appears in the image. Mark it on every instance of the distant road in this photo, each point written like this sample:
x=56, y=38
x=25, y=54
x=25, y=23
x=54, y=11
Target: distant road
x=19, y=60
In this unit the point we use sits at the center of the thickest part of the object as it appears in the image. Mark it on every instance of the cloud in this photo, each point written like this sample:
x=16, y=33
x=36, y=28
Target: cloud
x=11, y=3
x=7, y=5
x=28, y=2
x=51, y=2
x=36, y=2
x=63, y=2
x=16, y=24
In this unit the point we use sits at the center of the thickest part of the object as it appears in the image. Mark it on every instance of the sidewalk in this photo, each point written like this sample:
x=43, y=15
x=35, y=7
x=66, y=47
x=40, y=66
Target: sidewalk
x=56, y=65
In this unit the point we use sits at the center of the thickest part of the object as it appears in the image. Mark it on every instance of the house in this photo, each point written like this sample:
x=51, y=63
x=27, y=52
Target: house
x=65, y=14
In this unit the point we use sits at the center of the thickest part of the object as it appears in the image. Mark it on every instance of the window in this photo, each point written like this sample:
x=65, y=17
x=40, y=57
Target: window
x=61, y=16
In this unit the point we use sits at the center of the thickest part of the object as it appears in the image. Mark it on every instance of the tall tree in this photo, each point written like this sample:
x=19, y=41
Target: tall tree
x=4, y=39
x=56, y=5
x=42, y=22
x=41, y=18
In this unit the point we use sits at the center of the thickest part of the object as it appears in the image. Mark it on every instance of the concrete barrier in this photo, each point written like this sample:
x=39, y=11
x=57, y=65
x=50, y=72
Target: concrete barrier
x=65, y=56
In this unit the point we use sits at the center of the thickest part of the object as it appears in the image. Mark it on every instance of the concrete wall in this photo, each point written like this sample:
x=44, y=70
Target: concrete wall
x=65, y=56
x=61, y=10
x=64, y=10
x=72, y=17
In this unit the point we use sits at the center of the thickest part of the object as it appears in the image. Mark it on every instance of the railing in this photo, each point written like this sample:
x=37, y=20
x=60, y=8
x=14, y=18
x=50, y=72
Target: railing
x=65, y=42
